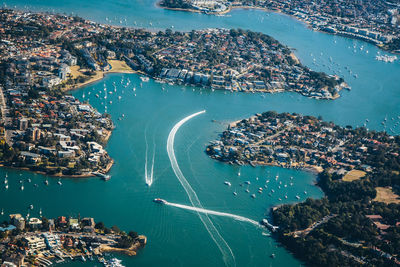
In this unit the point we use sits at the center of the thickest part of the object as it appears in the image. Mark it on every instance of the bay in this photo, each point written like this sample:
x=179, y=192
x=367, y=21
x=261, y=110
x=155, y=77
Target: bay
x=177, y=237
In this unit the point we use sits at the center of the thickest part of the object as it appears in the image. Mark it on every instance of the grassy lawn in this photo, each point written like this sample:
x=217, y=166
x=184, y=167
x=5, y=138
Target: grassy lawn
x=386, y=195
x=353, y=175
x=119, y=66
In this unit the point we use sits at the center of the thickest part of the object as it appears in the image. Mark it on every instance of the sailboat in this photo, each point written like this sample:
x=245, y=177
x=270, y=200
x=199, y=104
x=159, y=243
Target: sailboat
x=2, y=212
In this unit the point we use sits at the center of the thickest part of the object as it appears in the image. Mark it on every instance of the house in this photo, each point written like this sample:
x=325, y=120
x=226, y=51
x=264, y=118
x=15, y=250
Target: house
x=35, y=243
x=18, y=221
x=35, y=223
x=31, y=158
x=63, y=71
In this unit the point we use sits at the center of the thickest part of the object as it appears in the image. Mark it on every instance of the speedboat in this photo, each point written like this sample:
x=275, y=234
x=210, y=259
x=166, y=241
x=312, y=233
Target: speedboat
x=159, y=200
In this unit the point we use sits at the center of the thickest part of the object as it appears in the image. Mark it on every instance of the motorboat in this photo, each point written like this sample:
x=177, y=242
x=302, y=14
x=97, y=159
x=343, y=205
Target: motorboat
x=159, y=200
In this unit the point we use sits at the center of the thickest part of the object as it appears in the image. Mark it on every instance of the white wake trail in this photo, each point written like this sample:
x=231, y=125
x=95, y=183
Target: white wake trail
x=226, y=251
x=152, y=164
x=148, y=177
x=213, y=212
x=145, y=163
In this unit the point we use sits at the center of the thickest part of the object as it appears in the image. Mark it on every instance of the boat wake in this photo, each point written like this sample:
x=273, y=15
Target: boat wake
x=212, y=212
x=149, y=177
x=226, y=251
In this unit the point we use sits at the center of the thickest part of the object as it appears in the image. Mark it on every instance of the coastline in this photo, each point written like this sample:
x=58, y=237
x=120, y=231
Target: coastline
x=230, y=8
x=100, y=75
x=131, y=251
x=58, y=175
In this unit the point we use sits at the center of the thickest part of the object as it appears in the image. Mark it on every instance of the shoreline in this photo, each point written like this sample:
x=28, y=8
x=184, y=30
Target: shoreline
x=309, y=168
x=100, y=76
x=278, y=11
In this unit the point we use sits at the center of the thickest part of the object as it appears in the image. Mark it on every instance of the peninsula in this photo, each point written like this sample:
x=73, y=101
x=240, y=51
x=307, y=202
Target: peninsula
x=374, y=21
x=358, y=221
x=42, y=56
x=26, y=241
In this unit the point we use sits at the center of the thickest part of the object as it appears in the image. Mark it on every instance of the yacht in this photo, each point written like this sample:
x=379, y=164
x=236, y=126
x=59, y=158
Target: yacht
x=227, y=183
x=144, y=78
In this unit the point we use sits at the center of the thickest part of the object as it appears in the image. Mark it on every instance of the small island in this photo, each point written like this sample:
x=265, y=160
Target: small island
x=358, y=221
x=374, y=21
x=28, y=241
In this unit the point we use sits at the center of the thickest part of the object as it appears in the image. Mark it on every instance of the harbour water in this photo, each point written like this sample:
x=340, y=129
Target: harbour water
x=177, y=237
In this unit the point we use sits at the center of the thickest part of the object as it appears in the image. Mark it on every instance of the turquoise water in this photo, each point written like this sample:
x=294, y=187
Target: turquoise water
x=177, y=237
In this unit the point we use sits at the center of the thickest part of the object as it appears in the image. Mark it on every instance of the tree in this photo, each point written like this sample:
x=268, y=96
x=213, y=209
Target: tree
x=133, y=234
x=100, y=226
